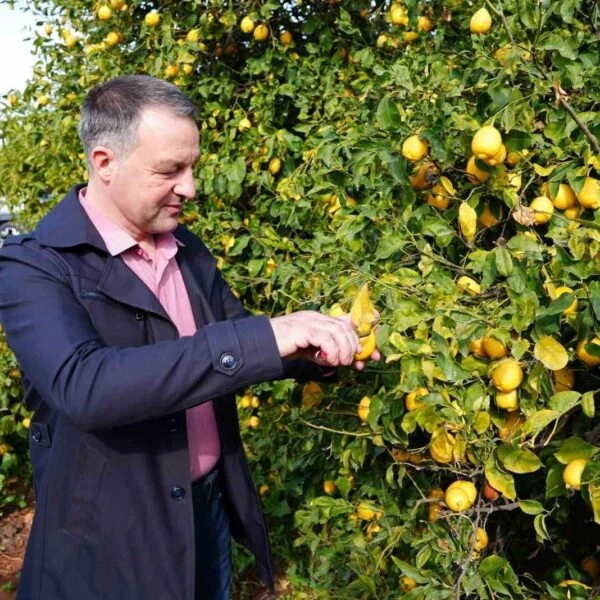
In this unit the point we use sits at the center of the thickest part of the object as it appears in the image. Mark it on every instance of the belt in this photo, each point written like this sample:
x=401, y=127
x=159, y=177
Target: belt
x=206, y=480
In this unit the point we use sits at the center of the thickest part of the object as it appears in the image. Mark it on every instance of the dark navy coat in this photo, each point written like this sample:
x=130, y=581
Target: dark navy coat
x=109, y=380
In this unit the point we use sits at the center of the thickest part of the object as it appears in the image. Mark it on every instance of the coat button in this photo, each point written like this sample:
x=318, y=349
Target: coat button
x=228, y=361
x=172, y=424
x=140, y=316
x=36, y=435
x=177, y=493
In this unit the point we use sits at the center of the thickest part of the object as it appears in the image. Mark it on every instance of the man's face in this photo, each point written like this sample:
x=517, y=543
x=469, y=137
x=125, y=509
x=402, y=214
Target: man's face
x=151, y=183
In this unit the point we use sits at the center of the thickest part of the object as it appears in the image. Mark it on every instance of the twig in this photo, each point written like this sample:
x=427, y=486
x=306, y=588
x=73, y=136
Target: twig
x=500, y=13
x=588, y=134
x=340, y=432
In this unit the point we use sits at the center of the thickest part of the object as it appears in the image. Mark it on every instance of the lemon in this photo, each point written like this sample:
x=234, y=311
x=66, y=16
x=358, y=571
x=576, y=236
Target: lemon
x=467, y=486
x=469, y=285
x=104, y=12
x=263, y=489
x=424, y=24
x=476, y=348
x=542, y=208
x=513, y=424
x=253, y=422
x=481, y=539
x=407, y=583
x=329, y=487
x=564, y=379
x=398, y=15
x=247, y=25
x=368, y=345
x=367, y=511
x=285, y=38
x=573, y=212
x=70, y=41
x=261, y=33
x=508, y=401
x=487, y=218
x=410, y=402
x=441, y=446
x=563, y=289
x=414, y=148
x=411, y=36
x=584, y=356
x=456, y=499
x=171, y=71
x=363, y=408
x=572, y=473
x=498, y=158
x=152, y=19
x=274, y=166
x=117, y=4
x=507, y=375
x=113, y=38
x=381, y=40
x=474, y=174
x=43, y=100
x=336, y=310
x=589, y=195
x=513, y=159
x=438, y=197
x=244, y=124
x=47, y=29
x=246, y=401
x=26, y=422
x=486, y=142
x=481, y=22
x=493, y=348
x=425, y=177
x=565, y=197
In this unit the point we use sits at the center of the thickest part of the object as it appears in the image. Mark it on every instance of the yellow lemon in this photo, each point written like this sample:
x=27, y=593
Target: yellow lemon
x=565, y=197
x=263, y=489
x=285, y=38
x=329, y=487
x=486, y=142
x=425, y=177
x=247, y=25
x=493, y=348
x=564, y=379
x=70, y=41
x=112, y=38
x=381, y=40
x=481, y=22
x=407, y=583
x=274, y=166
x=439, y=197
x=117, y=4
x=508, y=401
x=411, y=36
x=368, y=511
x=410, y=402
x=43, y=100
x=573, y=212
x=487, y=218
x=476, y=348
x=456, y=499
x=474, y=174
x=368, y=345
x=542, y=208
x=424, y=24
x=563, y=289
x=363, y=408
x=507, y=375
x=498, y=158
x=572, y=473
x=584, y=356
x=244, y=124
x=481, y=539
x=152, y=19
x=261, y=33
x=414, y=148
x=171, y=71
x=26, y=422
x=467, y=486
x=193, y=35
x=513, y=159
x=589, y=195
x=104, y=12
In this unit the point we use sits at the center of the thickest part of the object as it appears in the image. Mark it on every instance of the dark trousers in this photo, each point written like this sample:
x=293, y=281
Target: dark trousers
x=213, y=539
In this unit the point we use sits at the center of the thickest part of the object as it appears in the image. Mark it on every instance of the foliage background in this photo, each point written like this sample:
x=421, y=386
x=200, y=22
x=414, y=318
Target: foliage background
x=334, y=107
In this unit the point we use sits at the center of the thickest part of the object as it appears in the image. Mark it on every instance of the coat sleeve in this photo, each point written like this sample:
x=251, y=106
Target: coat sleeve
x=98, y=387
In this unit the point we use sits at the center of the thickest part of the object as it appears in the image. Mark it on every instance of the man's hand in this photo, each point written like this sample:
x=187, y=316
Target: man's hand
x=304, y=333
x=324, y=340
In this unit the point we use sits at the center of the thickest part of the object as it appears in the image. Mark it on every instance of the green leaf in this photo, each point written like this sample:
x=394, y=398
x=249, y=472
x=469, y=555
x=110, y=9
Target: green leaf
x=594, y=491
x=551, y=353
x=531, y=507
x=518, y=460
x=564, y=401
x=565, y=47
x=573, y=448
x=517, y=140
x=588, y=404
x=555, y=486
x=504, y=262
x=540, y=528
x=594, y=295
x=388, y=246
x=498, y=479
x=538, y=420
x=412, y=572
x=388, y=115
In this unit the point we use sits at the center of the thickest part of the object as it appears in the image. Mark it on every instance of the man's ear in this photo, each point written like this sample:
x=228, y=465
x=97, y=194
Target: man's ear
x=104, y=163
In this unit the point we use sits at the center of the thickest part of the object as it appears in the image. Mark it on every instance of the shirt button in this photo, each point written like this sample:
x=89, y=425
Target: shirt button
x=228, y=361
x=177, y=493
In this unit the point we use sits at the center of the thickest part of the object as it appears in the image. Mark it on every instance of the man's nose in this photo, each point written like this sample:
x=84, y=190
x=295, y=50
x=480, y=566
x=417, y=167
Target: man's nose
x=186, y=186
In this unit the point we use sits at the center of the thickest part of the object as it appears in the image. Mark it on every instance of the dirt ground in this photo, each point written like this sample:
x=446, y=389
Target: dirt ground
x=14, y=531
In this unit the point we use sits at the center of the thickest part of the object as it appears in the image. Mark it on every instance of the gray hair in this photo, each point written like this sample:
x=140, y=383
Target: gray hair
x=111, y=112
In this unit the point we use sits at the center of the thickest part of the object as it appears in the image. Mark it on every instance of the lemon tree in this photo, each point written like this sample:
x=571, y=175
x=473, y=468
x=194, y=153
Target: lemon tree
x=446, y=156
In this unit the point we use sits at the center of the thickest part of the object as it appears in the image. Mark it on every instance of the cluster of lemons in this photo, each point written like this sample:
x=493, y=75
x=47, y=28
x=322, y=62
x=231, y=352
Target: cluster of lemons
x=261, y=31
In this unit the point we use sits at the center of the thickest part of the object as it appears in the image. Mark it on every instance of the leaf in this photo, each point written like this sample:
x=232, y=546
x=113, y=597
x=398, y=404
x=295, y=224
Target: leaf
x=312, y=395
x=538, y=420
x=573, y=448
x=555, y=486
x=564, y=401
x=467, y=220
x=503, y=482
x=594, y=491
x=588, y=404
x=594, y=295
x=388, y=115
x=531, y=507
x=388, y=246
x=517, y=140
x=410, y=571
x=540, y=528
x=504, y=262
x=543, y=171
x=518, y=460
x=551, y=353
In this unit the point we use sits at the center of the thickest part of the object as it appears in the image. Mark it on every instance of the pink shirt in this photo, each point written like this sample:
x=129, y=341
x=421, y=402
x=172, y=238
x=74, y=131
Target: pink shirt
x=163, y=277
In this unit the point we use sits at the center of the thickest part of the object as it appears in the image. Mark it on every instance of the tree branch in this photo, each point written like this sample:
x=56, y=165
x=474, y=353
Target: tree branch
x=588, y=134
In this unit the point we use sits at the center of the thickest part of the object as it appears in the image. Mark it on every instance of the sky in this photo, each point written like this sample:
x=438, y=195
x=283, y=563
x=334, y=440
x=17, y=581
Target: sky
x=17, y=60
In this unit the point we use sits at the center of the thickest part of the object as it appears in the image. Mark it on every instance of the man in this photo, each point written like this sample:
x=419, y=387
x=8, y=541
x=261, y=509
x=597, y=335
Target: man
x=132, y=347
